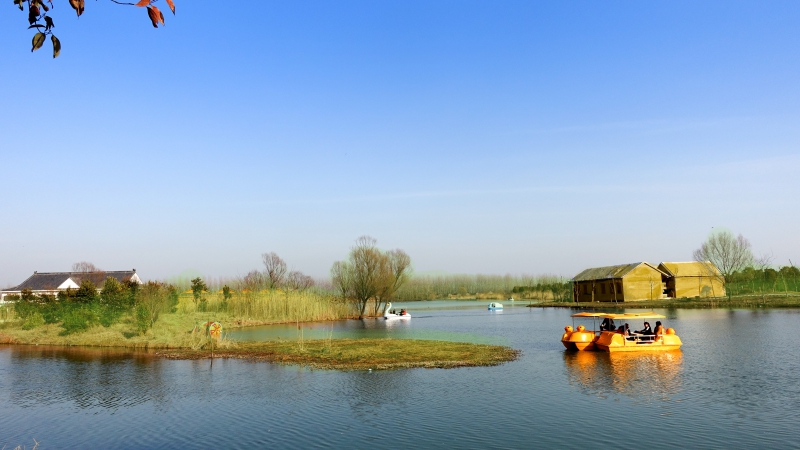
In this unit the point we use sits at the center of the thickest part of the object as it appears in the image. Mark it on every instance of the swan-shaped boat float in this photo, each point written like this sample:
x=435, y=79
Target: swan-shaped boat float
x=390, y=314
x=494, y=306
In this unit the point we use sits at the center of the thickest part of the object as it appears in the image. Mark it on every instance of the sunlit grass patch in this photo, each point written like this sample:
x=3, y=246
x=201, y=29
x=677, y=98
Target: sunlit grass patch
x=362, y=354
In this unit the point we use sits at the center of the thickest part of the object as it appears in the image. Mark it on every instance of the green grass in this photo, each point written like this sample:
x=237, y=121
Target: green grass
x=180, y=335
x=360, y=354
x=172, y=330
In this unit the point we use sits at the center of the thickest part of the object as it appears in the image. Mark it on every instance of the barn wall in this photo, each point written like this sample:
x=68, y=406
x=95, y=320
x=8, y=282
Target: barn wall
x=643, y=283
x=604, y=291
x=698, y=287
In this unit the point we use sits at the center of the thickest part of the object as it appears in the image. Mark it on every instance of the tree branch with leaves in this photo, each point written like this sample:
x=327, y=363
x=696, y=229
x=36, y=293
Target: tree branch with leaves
x=40, y=18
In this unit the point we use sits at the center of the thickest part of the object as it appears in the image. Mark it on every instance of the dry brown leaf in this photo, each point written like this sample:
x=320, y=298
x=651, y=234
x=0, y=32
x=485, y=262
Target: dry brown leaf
x=143, y=3
x=56, y=46
x=38, y=40
x=153, y=16
x=78, y=6
x=159, y=15
x=171, y=6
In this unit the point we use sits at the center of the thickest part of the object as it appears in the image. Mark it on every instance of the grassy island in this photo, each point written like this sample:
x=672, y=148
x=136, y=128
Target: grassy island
x=360, y=354
x=178, y=332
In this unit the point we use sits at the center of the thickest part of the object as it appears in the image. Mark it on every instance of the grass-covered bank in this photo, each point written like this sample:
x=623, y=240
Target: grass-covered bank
x=360, y=354
x=170, y=320
x=785, y=300
x=174, y=323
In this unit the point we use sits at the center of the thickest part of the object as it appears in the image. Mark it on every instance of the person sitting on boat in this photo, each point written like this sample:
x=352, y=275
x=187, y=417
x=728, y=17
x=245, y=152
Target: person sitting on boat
x=607, y=325
x=627, y=333
x=646, y=330
x=403, y=312
x=621, y=329
x=659, y=331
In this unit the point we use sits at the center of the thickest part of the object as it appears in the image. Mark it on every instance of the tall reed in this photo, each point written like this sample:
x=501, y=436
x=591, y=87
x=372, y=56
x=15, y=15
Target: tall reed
x=272, y=306
x=476, y=286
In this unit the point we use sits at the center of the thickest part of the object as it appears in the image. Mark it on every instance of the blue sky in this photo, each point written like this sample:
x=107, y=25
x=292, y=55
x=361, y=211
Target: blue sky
x=480, y=137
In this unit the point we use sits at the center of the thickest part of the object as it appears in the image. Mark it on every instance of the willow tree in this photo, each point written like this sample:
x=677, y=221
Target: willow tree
x=370, y=275
x=40, y=17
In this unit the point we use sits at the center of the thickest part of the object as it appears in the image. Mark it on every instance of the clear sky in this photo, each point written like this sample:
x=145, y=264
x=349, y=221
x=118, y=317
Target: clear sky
x=479, y=136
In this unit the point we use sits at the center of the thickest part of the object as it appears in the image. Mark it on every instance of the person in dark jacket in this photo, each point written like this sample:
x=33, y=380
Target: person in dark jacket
x=646, y=330
x=607, y=325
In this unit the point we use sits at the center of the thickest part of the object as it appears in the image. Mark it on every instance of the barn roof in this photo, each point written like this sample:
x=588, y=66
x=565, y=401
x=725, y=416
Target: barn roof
x=689, y=269
x=610, y=272
x=48, y=281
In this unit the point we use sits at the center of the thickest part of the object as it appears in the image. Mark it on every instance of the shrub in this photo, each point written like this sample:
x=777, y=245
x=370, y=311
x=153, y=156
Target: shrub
x=86, y=293
x=25, y=309
x=77, y=319
x=28, y=295
x=107, y=316
x=33, y=321
x=67, y=295
x=142, y=318
x=198, y=288
x=117, y=296
x=52, y=312
x=151, y=300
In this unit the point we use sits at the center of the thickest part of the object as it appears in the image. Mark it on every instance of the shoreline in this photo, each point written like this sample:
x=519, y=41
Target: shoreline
x=767, y=301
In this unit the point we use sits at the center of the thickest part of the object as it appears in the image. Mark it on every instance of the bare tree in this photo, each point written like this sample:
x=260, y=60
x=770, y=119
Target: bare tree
x=298, y=281
x=274, y=269
x=722, y=255
x=254, y=281
x=764, y=261
x=85, y=267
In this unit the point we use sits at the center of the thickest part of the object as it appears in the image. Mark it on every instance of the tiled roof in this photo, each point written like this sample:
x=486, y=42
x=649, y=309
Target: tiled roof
x=609, y=272
x=47, y=281
x=690, y=269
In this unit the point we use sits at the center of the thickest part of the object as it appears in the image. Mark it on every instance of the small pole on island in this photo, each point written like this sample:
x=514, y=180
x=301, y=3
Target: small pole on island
x=212, y=342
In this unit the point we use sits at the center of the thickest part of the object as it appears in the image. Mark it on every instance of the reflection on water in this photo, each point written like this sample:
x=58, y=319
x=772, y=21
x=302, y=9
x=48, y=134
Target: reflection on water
x=416, y=328
x=88, y=378
x=734, y=384
x=648, y=376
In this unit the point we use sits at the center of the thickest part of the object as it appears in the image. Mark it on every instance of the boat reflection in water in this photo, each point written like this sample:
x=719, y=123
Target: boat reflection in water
x=647, y=376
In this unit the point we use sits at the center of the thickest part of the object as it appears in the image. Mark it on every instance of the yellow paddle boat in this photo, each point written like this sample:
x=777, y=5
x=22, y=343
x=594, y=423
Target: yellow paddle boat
x=611, y=340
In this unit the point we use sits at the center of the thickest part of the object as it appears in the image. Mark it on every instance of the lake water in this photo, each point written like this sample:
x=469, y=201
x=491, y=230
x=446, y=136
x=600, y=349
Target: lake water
x=735, y=384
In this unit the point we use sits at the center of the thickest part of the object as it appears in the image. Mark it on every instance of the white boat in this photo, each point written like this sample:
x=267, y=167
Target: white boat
x=494, y=306
x=390, y=314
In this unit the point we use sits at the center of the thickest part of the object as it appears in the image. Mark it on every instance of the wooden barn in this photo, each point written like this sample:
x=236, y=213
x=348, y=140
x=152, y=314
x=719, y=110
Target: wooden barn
x=623, y=283
x=693, y=279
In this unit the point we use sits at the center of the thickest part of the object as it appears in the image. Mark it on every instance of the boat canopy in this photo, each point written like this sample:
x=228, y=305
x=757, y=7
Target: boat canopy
x=589, y=314
x=650, y=315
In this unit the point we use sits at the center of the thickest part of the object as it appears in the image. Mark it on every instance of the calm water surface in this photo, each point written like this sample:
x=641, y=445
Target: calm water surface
x=735, y=384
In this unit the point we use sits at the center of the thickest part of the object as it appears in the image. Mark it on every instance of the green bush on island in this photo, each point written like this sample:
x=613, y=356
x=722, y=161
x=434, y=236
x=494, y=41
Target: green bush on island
x=32, y=321
x=79, y=309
